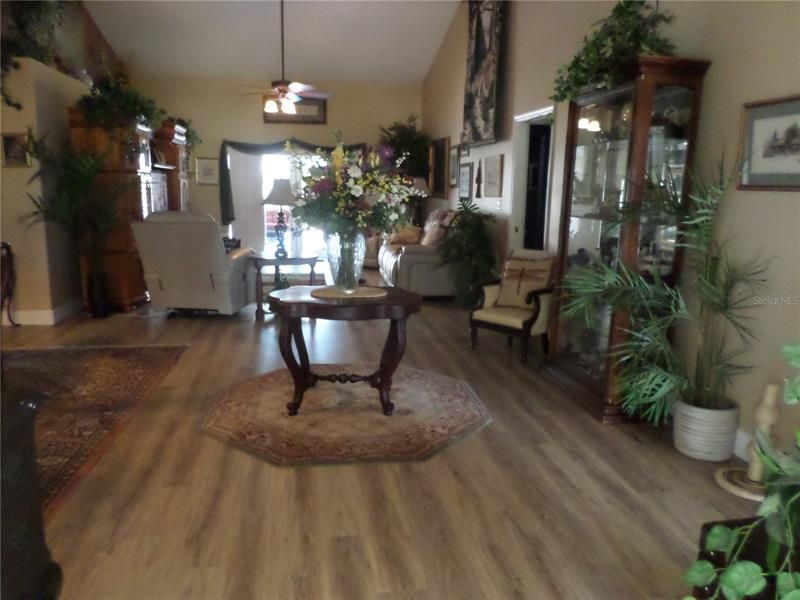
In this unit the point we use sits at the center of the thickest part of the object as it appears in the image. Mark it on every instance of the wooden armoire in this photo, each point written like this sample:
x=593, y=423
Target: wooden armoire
x=129, y=166
x=170, y=147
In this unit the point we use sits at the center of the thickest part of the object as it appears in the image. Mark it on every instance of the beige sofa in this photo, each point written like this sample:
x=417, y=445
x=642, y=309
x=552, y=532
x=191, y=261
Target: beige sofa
x=417, y=266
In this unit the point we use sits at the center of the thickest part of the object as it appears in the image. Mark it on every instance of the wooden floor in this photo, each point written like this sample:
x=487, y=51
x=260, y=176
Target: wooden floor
x=543, y=503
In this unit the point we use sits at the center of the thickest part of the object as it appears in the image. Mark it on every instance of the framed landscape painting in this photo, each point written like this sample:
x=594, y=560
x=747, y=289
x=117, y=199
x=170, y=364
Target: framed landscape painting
x=771, y=145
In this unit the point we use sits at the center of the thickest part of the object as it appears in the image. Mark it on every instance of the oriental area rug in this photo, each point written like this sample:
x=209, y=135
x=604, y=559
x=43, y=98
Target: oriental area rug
x=343, y=423
x=85, y=395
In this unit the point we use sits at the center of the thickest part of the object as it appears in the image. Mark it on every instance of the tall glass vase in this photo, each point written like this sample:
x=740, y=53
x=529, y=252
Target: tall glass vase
x=346, y=259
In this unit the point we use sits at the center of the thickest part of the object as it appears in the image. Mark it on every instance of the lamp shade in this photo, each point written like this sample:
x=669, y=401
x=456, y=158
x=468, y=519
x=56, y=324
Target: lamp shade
x=421, y=185
x=281, y=193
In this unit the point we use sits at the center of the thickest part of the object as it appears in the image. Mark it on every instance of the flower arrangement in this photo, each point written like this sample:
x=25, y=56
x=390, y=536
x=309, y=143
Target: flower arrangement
x=344, y=192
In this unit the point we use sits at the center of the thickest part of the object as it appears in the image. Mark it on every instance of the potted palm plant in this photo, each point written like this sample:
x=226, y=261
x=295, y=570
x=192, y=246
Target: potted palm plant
x=86, y=210
x=651, y=379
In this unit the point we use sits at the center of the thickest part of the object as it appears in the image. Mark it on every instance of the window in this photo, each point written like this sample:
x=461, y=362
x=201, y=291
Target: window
x=299, y=240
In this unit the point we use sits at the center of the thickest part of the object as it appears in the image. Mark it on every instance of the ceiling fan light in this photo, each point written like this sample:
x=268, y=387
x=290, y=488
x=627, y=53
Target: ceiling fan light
x=583, y=123
x=287, y=107
x=594, y=126
x=270, y=106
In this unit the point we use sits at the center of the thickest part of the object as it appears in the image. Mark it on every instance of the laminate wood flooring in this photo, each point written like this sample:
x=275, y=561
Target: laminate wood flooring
x=543, y=503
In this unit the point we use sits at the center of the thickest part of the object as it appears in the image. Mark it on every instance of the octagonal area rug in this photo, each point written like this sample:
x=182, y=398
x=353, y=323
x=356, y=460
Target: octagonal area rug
x=341, y=423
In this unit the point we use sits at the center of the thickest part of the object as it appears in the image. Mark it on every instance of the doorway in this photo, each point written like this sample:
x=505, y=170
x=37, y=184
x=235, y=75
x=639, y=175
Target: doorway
x=538, y=170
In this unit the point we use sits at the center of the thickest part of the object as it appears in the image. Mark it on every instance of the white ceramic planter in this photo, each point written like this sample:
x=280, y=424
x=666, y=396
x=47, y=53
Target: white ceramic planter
x=704, y=433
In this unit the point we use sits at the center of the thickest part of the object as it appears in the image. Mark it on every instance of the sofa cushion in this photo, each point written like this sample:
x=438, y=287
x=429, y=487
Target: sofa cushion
x=433, y=234
x=521, y=276
x=408, y=234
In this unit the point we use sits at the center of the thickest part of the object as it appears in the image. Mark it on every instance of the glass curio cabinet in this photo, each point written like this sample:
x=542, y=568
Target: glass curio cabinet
x=622, y=145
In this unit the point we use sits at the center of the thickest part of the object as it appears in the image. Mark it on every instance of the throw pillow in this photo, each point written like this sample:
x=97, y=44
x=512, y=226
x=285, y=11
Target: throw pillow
x=522, y=276
x=434, y=234
x=409, y=234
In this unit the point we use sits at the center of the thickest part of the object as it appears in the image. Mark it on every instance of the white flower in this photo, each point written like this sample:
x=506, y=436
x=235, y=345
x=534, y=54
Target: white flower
x=356, y=190
x=354, y=172
x=393, y=216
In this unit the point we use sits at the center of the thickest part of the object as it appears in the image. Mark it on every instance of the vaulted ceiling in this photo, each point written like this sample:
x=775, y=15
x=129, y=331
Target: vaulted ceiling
x=358, y=41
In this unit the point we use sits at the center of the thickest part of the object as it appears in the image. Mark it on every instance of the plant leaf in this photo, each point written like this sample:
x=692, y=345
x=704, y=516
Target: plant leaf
x=786, y=583
x=720, y=538
x=700, y=574
x=743, y=578
x=769, y=505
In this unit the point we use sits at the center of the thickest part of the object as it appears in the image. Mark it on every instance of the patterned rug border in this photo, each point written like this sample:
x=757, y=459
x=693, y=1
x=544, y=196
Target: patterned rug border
x=101, y=448
x=340, y=463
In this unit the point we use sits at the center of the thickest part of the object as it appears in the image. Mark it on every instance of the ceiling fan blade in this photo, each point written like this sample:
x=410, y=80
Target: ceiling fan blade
x=300, y=88
x=315, y=95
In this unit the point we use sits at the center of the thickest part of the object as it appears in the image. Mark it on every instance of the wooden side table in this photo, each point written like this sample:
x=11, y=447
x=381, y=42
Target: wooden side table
x=261, y=260
x=294, y=303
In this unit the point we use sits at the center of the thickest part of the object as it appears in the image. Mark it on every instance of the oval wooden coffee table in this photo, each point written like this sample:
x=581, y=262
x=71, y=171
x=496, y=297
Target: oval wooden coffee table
x=296, y=302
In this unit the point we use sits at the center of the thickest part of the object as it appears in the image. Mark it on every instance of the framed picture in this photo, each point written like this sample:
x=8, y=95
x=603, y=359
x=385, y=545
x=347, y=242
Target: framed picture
x=15, y=150
x=771, y=145
x=438, y=161
x=483, y=59
x=465, y=181
x=310, y=111
x=452, y=166
x=207, y=171
x=493, y=178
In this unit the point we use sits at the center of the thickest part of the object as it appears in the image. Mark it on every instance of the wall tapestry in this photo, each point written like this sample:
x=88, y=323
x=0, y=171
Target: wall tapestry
x=483, y=57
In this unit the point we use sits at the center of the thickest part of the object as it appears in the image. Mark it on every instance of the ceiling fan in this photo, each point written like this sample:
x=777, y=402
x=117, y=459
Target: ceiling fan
x=284, y=93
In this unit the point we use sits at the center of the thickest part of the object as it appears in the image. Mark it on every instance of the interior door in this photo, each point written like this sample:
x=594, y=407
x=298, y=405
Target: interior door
x=536, y=195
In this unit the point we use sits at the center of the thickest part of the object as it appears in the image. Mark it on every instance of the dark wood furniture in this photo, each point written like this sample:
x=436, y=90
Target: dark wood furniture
x=170, y=142
x=28, y=569
x=524, y=334
x=295, y=303
x=128, y=165
x=261, y=260
x=621, y=145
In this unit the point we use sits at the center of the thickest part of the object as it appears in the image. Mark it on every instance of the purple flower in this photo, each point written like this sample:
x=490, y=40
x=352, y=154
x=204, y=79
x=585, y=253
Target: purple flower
x=386, y=153
x=323, y=186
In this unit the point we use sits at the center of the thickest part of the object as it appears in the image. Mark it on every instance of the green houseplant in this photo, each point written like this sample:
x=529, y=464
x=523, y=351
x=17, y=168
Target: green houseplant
x=113, y=103
x=29, y=30
x=608, y=55
x=75, y=200
x=469, y=251
x=773, y=569
x=406, y=140
x=651, y=379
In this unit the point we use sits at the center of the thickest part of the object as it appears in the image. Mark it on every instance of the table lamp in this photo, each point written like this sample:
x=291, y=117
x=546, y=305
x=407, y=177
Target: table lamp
x=281, y=195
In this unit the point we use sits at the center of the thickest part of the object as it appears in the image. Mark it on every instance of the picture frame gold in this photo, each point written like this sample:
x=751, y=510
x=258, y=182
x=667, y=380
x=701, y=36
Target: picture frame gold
x=493, y=176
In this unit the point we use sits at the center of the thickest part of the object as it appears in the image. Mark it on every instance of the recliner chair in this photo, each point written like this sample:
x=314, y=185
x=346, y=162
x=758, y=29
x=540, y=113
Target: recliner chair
x=186, y=267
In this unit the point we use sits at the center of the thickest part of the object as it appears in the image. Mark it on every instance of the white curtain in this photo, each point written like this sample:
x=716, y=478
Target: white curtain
x=247, y=192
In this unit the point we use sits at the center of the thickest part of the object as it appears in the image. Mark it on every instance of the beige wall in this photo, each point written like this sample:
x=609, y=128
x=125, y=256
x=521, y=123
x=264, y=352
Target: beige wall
x=47, y=277
x=754, y=49
x=219, y=110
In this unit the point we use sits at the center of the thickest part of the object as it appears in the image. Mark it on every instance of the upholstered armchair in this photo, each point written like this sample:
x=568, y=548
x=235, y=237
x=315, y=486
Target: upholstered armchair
x=518, y=305
x=186, y=267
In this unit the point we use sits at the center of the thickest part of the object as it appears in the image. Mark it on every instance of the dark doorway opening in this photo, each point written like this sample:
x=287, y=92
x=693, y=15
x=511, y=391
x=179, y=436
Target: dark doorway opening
x=536, y=194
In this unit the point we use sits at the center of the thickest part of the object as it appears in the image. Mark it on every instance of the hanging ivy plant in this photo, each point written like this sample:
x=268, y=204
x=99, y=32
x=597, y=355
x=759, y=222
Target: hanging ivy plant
x=29, y=30
x=608, y=56
x=113, y=103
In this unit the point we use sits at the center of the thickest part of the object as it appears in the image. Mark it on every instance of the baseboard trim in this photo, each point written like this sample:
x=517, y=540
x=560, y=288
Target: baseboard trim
x=45, y=317
x=743, y=440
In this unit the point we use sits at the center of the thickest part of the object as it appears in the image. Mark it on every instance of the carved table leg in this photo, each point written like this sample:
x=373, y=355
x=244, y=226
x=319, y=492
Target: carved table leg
x=392, y=355
x=259, y=295
x=292, y=328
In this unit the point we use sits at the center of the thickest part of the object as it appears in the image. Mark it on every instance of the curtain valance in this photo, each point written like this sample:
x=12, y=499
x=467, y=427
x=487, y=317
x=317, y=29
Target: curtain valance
x=225, y=193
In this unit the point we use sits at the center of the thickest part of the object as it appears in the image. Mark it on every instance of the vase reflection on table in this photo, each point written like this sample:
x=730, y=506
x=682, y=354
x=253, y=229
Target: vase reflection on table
x=345, y=253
